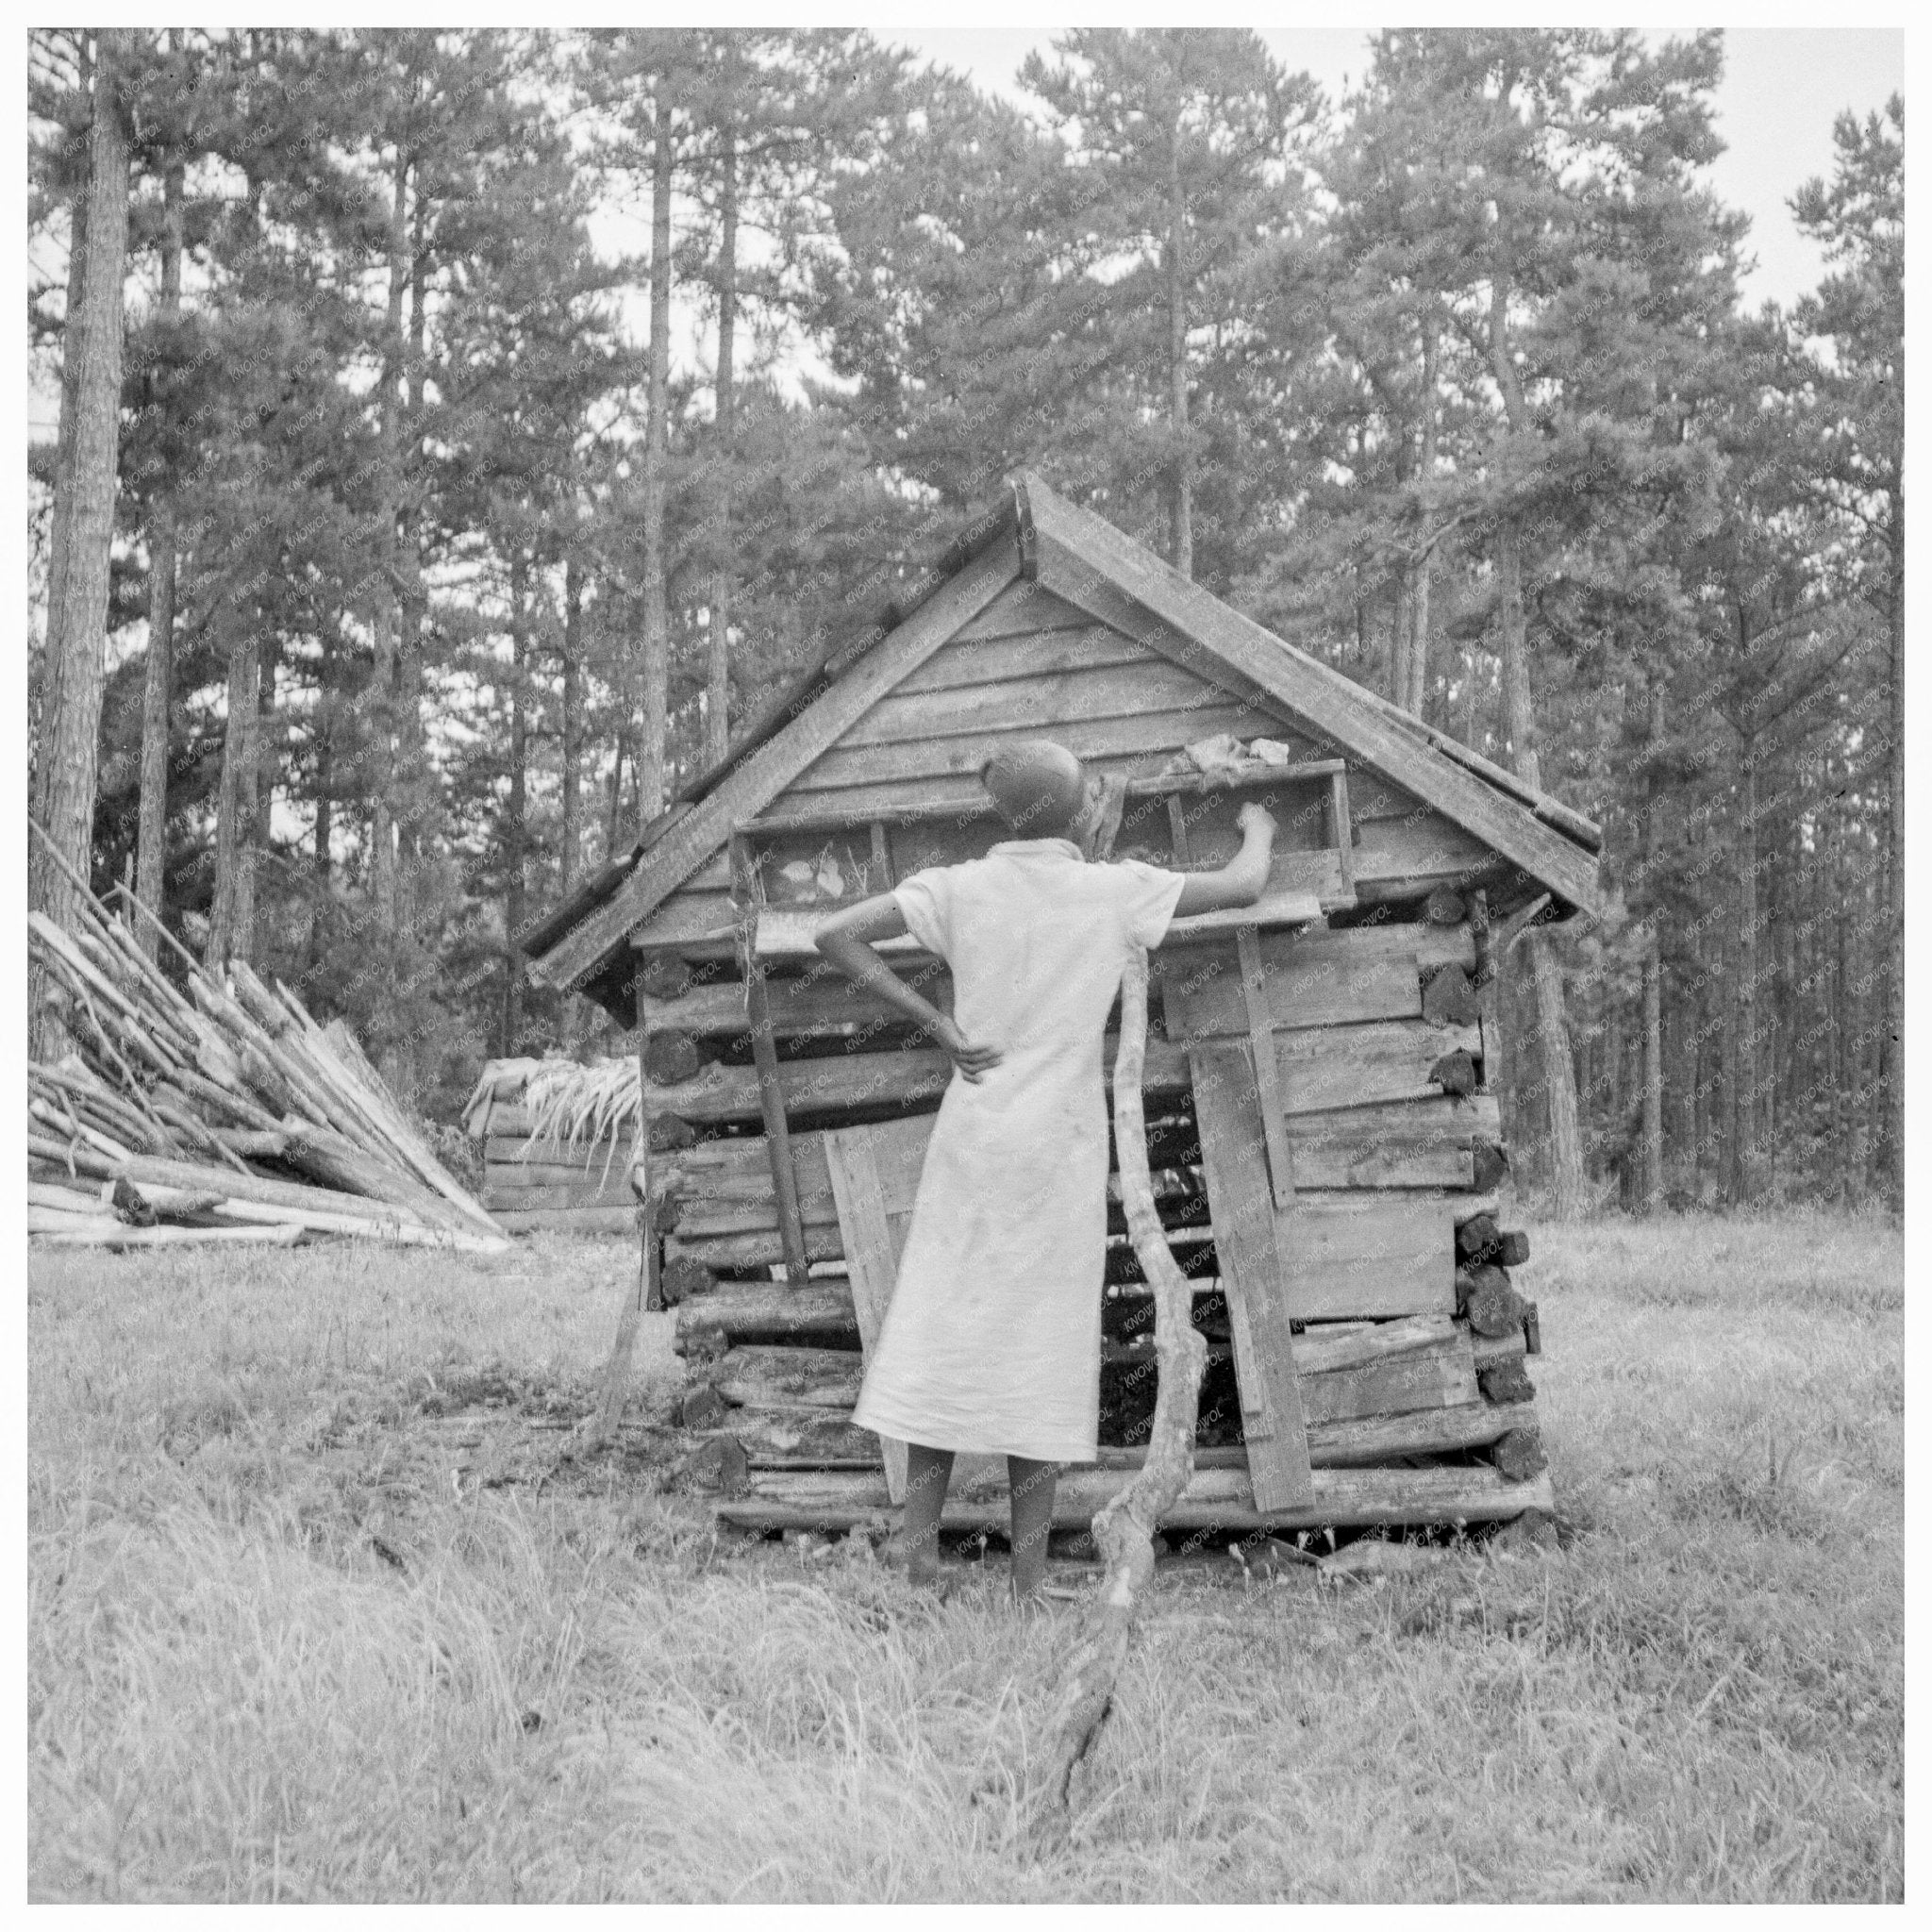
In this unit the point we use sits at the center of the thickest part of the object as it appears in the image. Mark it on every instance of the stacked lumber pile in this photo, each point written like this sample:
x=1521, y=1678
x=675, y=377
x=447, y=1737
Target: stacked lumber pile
x=221, y=1114
x=557, y=1143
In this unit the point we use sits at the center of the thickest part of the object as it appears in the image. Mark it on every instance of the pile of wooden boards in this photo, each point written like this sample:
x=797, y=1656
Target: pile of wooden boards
x=215, y=1111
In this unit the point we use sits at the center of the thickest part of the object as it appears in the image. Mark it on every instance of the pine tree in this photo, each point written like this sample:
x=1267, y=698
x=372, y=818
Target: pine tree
x=1587, y=263
x=157, y=682
x=1179, y=128
x=773, y=114
x=76, y=650
x=1858, y=309
x=1184, y=138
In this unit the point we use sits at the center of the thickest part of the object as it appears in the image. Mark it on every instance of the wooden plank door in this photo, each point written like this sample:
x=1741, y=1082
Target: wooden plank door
x=1227, y=1106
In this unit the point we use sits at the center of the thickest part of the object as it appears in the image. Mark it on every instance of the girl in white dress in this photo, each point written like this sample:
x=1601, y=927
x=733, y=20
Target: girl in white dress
x=991, y=1341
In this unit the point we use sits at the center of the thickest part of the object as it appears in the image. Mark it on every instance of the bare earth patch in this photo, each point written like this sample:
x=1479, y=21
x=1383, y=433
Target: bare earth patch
x=319, y=1609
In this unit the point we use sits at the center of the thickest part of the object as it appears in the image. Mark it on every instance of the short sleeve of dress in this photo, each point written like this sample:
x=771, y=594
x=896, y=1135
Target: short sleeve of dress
x=926, y=902
x=1148, y=896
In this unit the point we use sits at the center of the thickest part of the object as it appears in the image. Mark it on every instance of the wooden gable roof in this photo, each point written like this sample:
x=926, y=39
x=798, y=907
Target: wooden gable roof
x=1037, y=537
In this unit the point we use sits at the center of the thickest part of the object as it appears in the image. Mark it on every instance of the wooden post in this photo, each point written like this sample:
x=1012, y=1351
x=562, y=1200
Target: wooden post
x=647, y=1293
x=882, y=855
x=1344, y=829
x=1105, y=826
x=648, y=1296
x=1489, y=993
x=1177, y=827
x=1267, y=1066
x=1254, y=1280
x=1504, y=936
x=765, y=1059
x=643, y=1294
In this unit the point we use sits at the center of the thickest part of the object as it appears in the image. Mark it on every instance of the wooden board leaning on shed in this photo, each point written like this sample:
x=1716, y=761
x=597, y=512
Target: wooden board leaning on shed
x=875, y=1177
x=1227, y=1105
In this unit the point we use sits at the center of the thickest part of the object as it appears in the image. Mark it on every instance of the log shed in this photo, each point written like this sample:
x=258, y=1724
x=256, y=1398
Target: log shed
x=1327, y=1156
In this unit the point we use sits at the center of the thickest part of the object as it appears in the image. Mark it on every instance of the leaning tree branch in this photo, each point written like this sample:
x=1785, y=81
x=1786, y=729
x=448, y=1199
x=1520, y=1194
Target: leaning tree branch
x=1124, y=1526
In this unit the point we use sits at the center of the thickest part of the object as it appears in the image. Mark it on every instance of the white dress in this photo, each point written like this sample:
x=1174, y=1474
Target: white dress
x=991, y=1342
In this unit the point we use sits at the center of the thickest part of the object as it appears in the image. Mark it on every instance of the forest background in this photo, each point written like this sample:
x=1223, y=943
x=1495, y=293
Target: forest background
x=384, y=579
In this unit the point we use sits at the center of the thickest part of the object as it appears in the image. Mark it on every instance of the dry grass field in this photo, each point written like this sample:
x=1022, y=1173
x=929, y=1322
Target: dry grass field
x=314, y=1614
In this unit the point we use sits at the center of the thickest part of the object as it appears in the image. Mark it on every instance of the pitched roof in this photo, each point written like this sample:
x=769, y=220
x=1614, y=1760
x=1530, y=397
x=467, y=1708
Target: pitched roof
x=861, y=622
x=1084, y=560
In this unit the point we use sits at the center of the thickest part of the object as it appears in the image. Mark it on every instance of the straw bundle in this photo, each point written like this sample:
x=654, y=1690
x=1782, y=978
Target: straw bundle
x=562, y=1101
x=558, y=1140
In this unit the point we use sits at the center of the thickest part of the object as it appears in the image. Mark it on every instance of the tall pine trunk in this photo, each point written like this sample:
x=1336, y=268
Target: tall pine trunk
x=59, y=548
x=1741, y=1163
x=1418, y=578
x=231, y=921
x=718, y=656
x=1895, y=1042
x=413, y=788
x=613, y=832
x=652, y=751
x=75, y=665
x=1652, y=1165
x=263, y=768
x=513, y=811
x=572, y=750
x=1471, y=696
x=1873, y=1008
x=152, y=843
x=381, y=780
x=1181, y=499
x=1846, y=1065
x=321, y=861
x=1703, y=1054
x=1553, y=1030
x=1546, y=974
x=570, y=761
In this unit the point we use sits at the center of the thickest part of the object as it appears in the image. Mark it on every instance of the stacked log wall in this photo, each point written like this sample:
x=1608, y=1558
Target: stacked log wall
x=533, y=1182
x=1387, y=1165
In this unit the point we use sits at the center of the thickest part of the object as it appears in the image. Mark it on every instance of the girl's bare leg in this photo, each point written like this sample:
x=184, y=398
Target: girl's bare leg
x=927, y=1473
x=1032, y=1486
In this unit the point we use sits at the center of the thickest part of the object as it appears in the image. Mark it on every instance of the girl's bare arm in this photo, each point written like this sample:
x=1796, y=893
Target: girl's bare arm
x=845, y=940
x=1244, y=878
